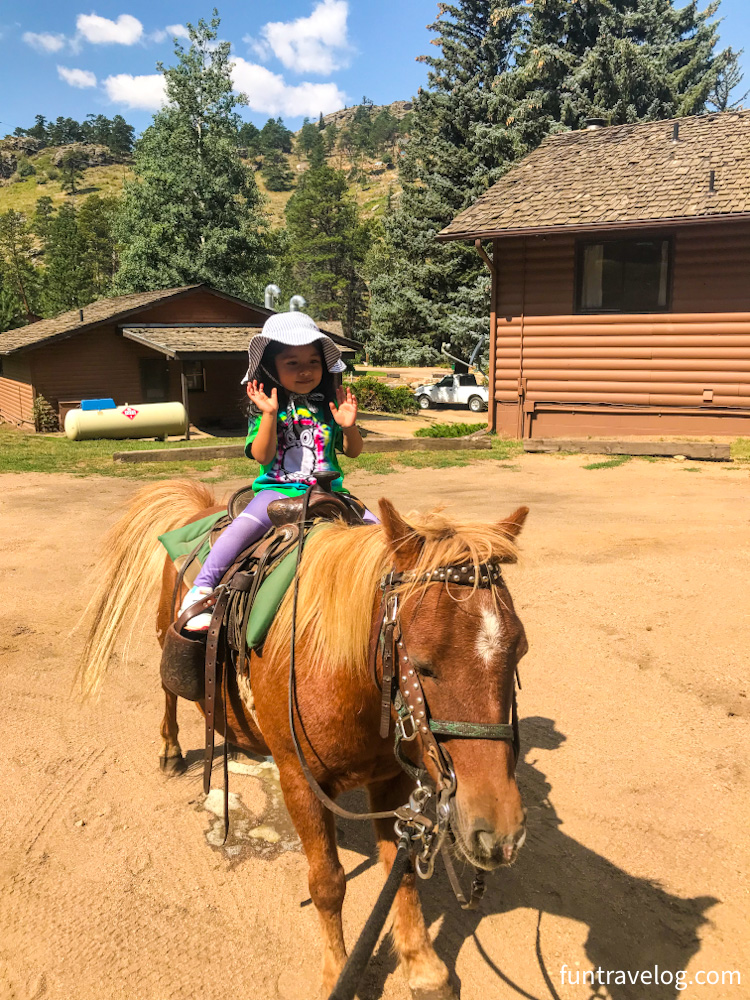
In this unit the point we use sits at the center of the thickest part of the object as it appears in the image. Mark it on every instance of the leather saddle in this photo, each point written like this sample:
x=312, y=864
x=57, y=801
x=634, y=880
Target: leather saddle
x=184, y=655
x=323, y=504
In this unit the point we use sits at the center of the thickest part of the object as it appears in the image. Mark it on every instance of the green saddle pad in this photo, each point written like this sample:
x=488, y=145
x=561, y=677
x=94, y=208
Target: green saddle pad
x=180, y=542
x=268, y=599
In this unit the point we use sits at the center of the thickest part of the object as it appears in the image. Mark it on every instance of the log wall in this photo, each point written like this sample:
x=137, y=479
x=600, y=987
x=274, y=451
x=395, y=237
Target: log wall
x=16, y=393
x=558, y=373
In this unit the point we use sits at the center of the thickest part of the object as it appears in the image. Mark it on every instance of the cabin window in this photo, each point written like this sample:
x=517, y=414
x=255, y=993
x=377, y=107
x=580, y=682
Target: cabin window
x=195, y=376
x=624, y=276
x=154, y=380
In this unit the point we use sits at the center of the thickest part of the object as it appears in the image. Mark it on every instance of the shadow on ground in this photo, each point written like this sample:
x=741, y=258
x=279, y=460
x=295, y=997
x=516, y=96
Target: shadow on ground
x=633, y=924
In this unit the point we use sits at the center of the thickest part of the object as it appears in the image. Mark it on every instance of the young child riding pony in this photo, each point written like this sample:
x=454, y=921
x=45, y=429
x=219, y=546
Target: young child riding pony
x=298, y=421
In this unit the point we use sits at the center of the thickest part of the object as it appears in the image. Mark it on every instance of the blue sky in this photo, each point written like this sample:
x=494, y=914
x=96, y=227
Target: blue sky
x=294, y=57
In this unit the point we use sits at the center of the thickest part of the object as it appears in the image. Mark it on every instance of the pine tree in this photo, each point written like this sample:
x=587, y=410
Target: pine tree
x=12, y=312
x=327, y=247
x=121, y=137
x=276, y=171
x=16, y=255
x=276, y=136
x=71, y=171
x=621, y=60
x=96, y=219
x=44, y=212
x=248, y=138
x=192, y=214
x=460, y=142
x=307, y=136
x=68, y=281
x=725, y=95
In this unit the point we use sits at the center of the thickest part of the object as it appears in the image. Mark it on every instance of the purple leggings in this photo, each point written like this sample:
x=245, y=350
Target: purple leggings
x=245, y=529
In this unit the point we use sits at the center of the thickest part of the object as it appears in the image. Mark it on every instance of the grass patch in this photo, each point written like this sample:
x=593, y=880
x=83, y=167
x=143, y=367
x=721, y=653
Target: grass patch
x=740, y=450
x=448, y=430
x=611, y=463
x=692, y=468
x=24, y=452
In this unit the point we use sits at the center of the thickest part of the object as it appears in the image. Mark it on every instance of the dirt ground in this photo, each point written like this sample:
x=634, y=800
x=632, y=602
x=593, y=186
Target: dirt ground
x=634, y=593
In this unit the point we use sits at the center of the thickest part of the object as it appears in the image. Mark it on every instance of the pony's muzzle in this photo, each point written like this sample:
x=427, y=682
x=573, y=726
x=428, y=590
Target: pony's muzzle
x=492, y=849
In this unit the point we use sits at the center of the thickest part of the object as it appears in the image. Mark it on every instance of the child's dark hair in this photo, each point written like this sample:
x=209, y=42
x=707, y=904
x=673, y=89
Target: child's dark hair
x=267, y=374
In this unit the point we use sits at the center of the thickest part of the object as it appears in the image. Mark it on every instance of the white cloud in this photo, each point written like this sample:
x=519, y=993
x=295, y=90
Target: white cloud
x=269, y=93
x=177, y=31
x=314, y=44
x=126, y=30
x=81, y=78
x=145, y=92
x=44, y=42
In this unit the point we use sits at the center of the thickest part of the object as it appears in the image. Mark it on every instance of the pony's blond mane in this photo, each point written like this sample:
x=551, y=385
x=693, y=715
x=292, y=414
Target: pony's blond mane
x=340, y=575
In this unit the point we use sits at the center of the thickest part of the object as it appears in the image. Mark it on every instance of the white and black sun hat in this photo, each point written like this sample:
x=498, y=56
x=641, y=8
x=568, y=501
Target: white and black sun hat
x=293, y=329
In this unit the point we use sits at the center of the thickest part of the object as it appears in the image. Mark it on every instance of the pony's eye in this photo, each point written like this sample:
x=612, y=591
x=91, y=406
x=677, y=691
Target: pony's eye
x=423, y=668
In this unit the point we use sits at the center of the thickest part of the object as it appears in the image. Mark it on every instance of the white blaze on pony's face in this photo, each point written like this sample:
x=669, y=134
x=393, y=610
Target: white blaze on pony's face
x=489, y=636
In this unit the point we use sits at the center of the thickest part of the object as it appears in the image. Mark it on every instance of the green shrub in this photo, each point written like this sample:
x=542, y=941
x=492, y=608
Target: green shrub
x=25, y=168
x=381, y=398
x=45, y=418
x=53, y=173
x=448, y=430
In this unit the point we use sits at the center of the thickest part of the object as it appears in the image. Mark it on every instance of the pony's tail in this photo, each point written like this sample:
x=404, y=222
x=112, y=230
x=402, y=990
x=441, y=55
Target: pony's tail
x=131, y=567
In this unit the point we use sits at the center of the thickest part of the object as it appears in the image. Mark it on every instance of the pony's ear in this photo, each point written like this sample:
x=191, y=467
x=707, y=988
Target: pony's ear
x=512, y=525
x=403, y=541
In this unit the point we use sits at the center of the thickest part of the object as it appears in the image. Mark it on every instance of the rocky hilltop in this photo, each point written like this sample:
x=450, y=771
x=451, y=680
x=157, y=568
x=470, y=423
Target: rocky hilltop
x=399, y=109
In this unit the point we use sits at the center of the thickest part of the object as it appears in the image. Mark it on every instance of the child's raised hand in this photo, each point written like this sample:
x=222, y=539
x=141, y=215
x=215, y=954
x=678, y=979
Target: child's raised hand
x=266, y=404
x=345, y=414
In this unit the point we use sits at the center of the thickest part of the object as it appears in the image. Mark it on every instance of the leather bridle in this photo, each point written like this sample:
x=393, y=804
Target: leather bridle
x=401, y=687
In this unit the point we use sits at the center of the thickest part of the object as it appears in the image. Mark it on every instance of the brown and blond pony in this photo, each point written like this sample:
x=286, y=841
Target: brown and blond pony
x=464, y=641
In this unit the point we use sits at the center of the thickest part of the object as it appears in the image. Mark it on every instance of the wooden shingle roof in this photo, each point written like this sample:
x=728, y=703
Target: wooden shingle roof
x=177, y=341
x=619, y=176
x=71, y=322
x=185, y=341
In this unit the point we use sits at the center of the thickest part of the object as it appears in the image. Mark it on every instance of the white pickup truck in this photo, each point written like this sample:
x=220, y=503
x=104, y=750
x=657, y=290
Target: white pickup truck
x=461, y=390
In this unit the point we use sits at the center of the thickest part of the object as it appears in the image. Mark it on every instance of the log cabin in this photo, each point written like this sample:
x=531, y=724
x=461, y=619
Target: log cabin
x=620, y=261
x=185, y=344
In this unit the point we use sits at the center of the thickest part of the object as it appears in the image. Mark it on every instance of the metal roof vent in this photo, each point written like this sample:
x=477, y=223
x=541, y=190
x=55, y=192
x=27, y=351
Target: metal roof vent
x=272, y=292
x=676, y=132
x=592, y=124
x=297, y=303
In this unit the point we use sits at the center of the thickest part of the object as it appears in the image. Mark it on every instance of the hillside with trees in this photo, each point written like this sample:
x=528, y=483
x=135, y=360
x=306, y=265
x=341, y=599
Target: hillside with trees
x=345, y=210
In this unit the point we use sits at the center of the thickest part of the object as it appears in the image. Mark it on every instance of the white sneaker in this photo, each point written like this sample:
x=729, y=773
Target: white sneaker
x=201, y=622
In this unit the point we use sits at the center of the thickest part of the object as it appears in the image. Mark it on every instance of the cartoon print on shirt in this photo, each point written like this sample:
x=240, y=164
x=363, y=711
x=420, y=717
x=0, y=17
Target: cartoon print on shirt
x=301, y=450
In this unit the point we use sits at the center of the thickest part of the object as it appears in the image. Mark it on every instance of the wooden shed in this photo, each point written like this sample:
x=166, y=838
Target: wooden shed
x=185, y=344
x=621, y=281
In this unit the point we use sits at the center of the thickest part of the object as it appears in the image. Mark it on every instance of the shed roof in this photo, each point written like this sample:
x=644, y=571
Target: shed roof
x=199, y=340
x=620, y=176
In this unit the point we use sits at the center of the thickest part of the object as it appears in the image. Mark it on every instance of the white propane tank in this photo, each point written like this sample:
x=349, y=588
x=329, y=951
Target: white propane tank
x=143, y=420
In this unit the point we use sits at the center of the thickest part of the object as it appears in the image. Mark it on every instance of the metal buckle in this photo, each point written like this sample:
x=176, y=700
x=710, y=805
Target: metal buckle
x=391, y=609
x=401, y=731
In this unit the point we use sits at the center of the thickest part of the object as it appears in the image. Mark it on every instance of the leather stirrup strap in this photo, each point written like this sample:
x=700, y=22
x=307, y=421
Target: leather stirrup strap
x=212, y=656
